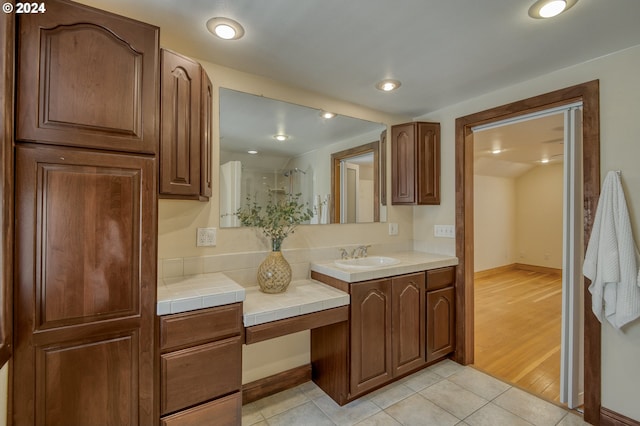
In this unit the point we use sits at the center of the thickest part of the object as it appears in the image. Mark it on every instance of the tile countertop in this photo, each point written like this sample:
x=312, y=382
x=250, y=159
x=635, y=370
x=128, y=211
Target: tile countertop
x=183, y=294
x=302, y=297
x=410, y=261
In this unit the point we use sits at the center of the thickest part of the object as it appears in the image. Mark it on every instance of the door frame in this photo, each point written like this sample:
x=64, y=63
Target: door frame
x=589, y=94
x=336, y=158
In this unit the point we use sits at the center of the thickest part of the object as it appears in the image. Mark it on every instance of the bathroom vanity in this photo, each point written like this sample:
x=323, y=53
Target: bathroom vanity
x=401, y=320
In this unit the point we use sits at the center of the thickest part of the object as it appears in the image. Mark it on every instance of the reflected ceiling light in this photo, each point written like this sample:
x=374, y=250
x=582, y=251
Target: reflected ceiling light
x=544, y=160
x=225, y=28
x=252, y=151
x=388, y=85
x=327, y=114
x=496, y=151
x=281, y=137
x=543, y=9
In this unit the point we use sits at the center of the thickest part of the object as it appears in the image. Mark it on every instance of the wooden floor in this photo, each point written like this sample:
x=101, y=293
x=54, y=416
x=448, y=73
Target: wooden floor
x=517, y=329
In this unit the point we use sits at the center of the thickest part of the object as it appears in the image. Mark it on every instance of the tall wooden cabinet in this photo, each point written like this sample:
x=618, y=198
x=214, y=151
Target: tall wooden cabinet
x=415, y=163
x=185, y=140
x=86, y=219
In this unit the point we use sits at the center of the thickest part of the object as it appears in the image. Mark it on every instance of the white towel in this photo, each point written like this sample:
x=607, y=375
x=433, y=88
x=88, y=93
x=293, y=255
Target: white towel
x=324, y=212
x=611, y=261
x=316, y=210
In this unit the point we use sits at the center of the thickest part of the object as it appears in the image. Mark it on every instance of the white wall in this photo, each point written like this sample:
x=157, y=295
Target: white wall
x=494, y=222
x=539, y=216
x=620, y=150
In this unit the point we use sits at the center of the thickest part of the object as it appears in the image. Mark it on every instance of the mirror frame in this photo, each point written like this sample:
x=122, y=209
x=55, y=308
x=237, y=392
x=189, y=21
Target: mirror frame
x=336, y=158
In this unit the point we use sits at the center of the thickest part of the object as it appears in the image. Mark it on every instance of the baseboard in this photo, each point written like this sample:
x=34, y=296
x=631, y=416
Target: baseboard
x=611, y=418
x=493, y=271
x=277, y=383
x=535, y=268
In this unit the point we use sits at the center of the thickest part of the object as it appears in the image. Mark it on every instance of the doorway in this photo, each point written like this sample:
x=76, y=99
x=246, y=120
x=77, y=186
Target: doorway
x=588, y=94
x=519, y=192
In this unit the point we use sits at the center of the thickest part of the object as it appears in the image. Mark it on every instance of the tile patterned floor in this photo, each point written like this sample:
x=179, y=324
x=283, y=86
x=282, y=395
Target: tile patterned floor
x=444, y=394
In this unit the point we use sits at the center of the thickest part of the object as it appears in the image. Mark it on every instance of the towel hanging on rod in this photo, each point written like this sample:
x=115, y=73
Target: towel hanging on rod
x=612, y=258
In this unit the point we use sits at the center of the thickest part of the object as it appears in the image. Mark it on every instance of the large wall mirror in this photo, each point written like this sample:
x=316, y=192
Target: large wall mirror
x=270, y=148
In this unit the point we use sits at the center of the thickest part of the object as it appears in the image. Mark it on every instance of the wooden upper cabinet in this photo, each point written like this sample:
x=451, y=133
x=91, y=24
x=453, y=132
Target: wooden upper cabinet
x=206, y=134
x=87, y=83
x=185, y=137
x=415, y=163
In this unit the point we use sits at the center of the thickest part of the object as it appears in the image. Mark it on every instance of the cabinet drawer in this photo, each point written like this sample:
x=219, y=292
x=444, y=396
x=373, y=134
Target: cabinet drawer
x=225, y=411
x=189, y=328
x=440, y=278
x=198, y=374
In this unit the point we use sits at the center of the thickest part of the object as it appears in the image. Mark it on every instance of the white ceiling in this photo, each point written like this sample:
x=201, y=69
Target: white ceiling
x=522, y=146
x=443, y=52
x=249, y=122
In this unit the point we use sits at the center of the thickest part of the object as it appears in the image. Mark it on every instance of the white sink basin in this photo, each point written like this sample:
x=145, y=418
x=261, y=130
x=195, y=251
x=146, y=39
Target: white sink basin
x=370, y=262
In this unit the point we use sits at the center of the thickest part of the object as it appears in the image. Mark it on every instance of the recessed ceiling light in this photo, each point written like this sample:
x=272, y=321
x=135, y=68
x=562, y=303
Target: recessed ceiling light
x=327, y=114
x=252, y=151
x=281, y=137
x=388, y=85
x=543, y=9
x=225, y=28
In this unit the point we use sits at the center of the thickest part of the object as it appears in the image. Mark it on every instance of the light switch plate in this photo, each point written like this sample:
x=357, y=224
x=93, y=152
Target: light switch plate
x=206, y=237
x=393, y=229
x=444, y=231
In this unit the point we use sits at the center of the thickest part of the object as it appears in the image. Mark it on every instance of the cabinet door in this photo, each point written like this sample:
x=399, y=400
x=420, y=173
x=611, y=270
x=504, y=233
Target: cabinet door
x=180, y=133
x=403, y=164
x=370, y=335
x=206, y=131
x=87, y=78
x=440, y=323
x=408, y=322
x=85, y=287
x=428, y=156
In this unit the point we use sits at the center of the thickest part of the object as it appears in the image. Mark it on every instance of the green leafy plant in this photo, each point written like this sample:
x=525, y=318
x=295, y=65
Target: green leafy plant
x=277, y=219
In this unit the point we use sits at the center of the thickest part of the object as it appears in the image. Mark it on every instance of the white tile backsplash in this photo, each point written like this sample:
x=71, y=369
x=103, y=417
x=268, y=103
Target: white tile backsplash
x=243, y=267
x=172, y=267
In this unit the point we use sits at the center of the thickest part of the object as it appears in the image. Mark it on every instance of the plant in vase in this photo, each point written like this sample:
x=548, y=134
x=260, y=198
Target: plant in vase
x=277, y=219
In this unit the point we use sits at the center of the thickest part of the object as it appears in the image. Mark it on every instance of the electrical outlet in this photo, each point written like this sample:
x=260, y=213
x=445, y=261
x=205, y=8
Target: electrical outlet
x=393, y=229
x=444, y=231
x=206, y=237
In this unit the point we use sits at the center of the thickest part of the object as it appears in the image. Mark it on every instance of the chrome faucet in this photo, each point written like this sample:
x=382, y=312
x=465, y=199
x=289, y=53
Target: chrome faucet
x=344, y=254
x=361, y=251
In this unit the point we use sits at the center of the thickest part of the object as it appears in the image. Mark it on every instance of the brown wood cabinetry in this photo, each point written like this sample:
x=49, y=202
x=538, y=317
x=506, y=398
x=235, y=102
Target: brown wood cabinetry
x=384, y=340
x=206, y=134
x=85, y=287
x=370, y=335
x=440, y=312
x=85, y=219
x=415, y=163
x=201, y=365
x=408, y=324
x=87, y=82
x=185, y=138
